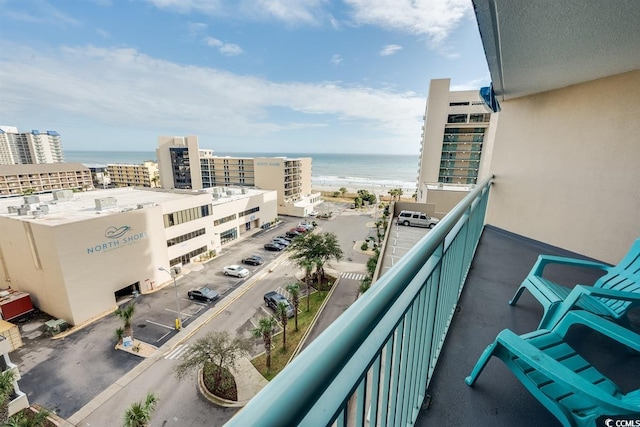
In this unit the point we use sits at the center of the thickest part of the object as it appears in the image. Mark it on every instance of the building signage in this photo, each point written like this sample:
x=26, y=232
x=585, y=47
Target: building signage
x=268, y=163
x=117, y=238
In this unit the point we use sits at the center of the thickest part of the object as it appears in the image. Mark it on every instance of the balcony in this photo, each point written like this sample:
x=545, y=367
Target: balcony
x=385, y=361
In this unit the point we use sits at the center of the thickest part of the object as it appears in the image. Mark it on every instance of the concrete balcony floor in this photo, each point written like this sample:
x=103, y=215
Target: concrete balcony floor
x=501, y=262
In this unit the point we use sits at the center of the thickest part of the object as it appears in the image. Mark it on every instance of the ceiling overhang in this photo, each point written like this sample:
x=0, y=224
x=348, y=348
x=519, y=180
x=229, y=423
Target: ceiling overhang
x=535, y=46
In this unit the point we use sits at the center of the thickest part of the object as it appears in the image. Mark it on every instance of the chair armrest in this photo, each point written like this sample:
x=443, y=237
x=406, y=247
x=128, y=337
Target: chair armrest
x=544, y=260
x=599, y=324
x=555, y=371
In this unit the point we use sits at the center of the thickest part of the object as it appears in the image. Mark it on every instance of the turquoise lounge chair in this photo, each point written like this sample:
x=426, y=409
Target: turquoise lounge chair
x=612, y=295
x=563, y=381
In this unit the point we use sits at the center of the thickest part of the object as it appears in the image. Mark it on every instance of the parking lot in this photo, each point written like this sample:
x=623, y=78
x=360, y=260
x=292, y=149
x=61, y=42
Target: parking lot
x=66, y=373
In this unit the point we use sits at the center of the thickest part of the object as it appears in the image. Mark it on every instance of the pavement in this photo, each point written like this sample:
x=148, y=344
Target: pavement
x=249, y=381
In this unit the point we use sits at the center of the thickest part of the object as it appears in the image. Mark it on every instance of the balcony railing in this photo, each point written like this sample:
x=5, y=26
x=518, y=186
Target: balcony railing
x=374, y=363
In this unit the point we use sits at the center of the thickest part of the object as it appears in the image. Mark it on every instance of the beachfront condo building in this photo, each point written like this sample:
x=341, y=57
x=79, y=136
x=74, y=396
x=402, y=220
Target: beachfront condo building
x=289, y=177
x=128, y=175
x=179, y=162
x=456, y=139
x=78, y=253
x=16, y=180
x=24, y=148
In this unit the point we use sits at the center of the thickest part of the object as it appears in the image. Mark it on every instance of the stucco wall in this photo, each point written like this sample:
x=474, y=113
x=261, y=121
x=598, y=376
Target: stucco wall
x=567, y=166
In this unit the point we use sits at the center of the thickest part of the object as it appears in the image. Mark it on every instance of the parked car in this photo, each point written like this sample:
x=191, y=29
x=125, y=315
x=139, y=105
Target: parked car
x=253, y=260
x=306, y=225
x=204, y=293
x=300, y=229
x=281, y=242
x=273, y=246
x=285, y=237
x=416, y=219
x=293, y=233
x=313, y=213
x=271, y=299
x=235, y=270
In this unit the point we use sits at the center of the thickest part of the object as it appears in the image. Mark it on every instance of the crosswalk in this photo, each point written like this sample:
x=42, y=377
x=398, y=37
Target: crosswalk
x=352, y=276
x=178, y=352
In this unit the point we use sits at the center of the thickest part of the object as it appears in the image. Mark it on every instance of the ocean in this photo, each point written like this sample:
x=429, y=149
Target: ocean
x=372, y=172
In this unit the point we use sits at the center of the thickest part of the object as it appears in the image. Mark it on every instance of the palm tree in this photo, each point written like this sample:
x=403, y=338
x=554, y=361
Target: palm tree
x=36, y=419
x=264, y=330
x=7, y=378
x=281, y=312
x=139, y=413
x=307, y=265
x=317, y=249
x=126, y=314
x=294, y=290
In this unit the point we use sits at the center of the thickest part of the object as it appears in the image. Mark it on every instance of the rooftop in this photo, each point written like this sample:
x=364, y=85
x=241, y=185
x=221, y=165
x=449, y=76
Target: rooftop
x=82, y=205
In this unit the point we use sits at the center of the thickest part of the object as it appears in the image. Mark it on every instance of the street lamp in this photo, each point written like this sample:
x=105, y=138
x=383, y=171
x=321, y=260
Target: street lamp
x=175, y=286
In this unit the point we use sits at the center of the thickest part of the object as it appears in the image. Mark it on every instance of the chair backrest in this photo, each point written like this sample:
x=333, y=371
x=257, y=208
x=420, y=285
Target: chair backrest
x=625, y=276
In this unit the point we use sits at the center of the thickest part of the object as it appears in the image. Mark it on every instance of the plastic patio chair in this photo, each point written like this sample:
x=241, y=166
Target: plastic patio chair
x=612, y=295
x=563, y=381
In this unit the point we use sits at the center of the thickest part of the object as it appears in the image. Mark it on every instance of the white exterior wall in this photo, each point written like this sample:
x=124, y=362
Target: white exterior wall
x=73, y=267
x=566, y=167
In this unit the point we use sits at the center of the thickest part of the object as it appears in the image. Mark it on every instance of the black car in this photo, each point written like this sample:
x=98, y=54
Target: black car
x=293, y=233
x=203, y=294
x=273, y=247
x=253, y=260
x=284, y=237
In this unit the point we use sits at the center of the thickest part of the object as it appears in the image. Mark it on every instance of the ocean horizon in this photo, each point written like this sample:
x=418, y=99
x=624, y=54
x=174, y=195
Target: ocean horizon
x=373, y=172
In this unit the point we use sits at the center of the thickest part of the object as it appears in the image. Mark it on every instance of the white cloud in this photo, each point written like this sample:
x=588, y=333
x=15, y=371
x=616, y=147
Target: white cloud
x=228, y=49
x=41, y=12
x=433, y=18
x=210, y=7
x=336, y=59
x=123, y=88
x=293, y=12
x=390, y=49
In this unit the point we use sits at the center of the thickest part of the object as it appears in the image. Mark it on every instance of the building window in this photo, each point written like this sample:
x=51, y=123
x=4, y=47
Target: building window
x=457, y=118
x=186, y=215
x=248, y=212
x=223, y=220
x=229, y=235
x=479, y=118
x=185, y=237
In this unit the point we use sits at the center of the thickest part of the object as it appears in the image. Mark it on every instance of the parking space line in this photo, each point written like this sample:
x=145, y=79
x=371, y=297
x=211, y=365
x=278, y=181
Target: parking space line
x=162, y=337
x=160, y=324
x=181, y=312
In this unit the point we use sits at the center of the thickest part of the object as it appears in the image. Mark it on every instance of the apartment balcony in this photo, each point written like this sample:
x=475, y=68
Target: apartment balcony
x=399, y=355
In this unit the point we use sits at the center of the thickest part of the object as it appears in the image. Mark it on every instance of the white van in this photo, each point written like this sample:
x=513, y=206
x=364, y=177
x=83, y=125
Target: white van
x=416, y=219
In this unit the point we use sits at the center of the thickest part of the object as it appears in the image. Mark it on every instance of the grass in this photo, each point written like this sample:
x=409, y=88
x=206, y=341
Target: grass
x=280, y=357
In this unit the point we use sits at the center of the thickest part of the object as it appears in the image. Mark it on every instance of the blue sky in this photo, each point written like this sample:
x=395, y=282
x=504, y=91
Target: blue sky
x=298, y=76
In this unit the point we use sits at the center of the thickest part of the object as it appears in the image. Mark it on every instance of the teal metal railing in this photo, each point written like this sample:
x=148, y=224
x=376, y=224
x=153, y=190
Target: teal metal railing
x=372, y=366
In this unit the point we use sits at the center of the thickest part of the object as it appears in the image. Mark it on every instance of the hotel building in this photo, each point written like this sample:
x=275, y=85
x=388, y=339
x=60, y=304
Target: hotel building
x=289, y=177
x=126, y=175
x=16, y=180
x=17, y=148
x=76, y=253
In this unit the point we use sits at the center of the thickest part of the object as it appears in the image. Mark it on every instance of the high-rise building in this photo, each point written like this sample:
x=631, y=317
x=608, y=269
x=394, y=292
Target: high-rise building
x=22, y=148
x=179, y=162
x=456, y=138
